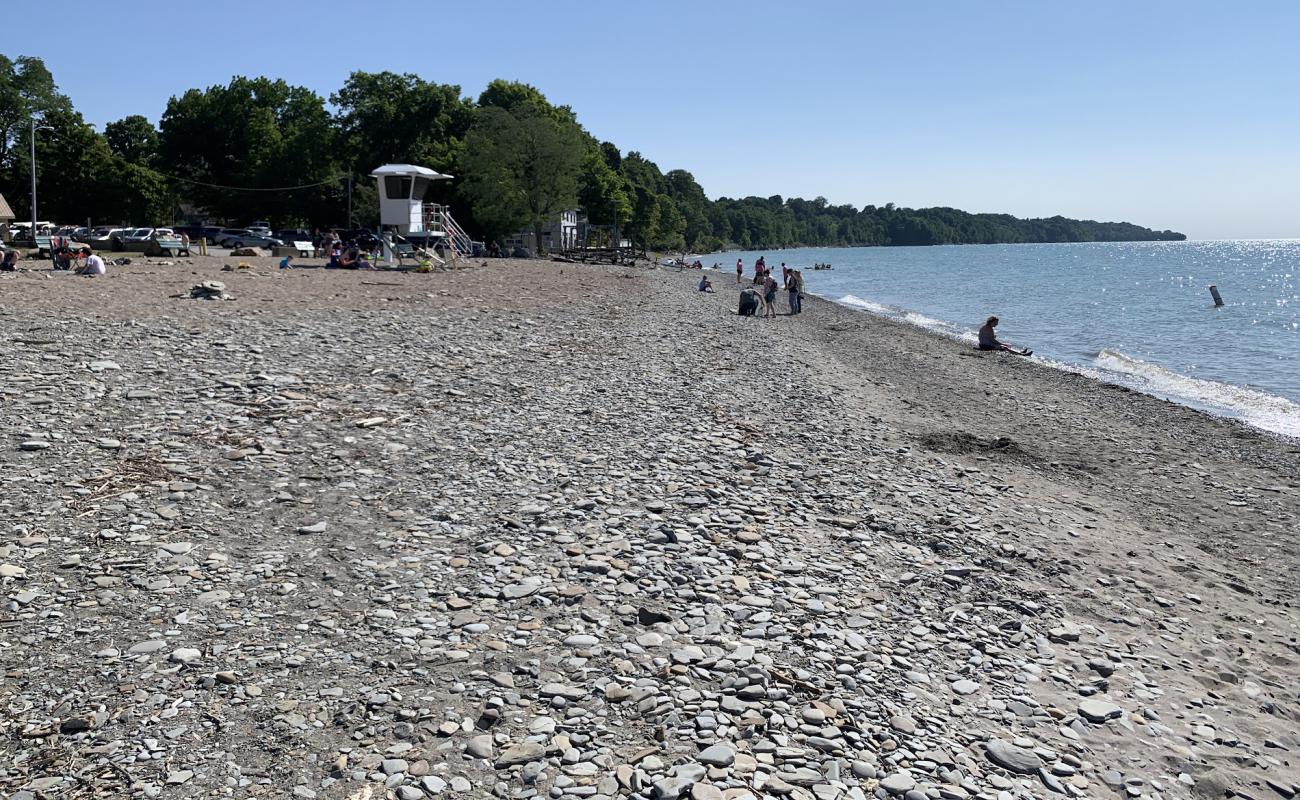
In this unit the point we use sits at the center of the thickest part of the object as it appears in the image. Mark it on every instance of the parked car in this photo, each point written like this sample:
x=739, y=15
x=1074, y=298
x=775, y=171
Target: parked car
x=226, y=236
x=259, y=224
x=136, y=239
x=210, y=232
x=81, y=234
x=107, y=237
x=247, y=238
x=360, y=237
x=293, y=235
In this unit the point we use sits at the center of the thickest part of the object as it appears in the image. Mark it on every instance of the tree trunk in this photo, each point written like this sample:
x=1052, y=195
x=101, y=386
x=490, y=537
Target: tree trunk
x=537, y=238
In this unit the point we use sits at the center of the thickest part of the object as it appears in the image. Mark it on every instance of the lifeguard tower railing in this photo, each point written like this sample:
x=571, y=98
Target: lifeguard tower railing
x=438, y=219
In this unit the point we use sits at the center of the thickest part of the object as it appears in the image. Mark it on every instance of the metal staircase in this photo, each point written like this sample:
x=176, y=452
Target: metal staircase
x=438, y=219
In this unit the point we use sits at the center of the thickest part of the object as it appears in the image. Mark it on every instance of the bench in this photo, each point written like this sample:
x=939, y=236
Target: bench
x=43, y=245
x=305, y=249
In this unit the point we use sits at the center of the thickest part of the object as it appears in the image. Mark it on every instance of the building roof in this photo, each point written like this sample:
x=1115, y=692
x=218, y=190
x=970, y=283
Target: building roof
x=409, y=170
x=5, y=211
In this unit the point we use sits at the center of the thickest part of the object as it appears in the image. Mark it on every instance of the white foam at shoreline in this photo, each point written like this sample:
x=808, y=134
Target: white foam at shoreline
x=910, y=317
x=1259, y=409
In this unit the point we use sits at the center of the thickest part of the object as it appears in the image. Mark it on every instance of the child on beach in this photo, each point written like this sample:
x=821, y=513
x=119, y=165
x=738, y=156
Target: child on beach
x=286, y=262
x=705, y=285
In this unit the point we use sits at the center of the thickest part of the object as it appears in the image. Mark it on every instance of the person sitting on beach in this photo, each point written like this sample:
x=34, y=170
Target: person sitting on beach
x=351, y=259
x=10, y=262
x=705, y=285
x=988, y=340
x=94, y=264
x=286, y=262
x=62, y=256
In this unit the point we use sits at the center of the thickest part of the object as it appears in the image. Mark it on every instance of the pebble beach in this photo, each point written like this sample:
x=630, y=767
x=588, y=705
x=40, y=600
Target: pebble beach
x=533, y=529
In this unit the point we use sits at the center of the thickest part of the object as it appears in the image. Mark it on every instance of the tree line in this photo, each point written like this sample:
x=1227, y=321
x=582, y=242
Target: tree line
x=262, y=148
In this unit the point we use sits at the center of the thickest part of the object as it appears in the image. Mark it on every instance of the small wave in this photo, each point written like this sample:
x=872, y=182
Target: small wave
x=1263, y=410
x=910, y=317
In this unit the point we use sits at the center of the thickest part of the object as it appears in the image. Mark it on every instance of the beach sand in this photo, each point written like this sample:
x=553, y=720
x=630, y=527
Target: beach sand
x=571, y=528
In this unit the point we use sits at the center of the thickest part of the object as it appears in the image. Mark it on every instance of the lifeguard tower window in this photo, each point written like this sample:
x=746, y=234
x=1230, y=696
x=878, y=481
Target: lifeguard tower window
x=396, y=186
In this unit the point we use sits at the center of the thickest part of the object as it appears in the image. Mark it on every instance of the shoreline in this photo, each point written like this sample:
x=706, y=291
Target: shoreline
x=1103, y=375
x=582, y=530
x=1252, y=389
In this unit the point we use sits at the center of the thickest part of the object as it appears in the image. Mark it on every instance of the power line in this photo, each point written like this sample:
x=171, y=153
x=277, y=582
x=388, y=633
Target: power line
x=334, y=179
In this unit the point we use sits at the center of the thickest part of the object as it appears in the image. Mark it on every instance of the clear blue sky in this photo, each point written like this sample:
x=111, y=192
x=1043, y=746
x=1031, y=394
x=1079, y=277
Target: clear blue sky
x=1182, y=115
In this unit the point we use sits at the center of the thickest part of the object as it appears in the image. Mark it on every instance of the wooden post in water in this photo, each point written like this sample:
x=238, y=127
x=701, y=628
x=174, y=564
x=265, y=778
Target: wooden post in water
x=1214, y=292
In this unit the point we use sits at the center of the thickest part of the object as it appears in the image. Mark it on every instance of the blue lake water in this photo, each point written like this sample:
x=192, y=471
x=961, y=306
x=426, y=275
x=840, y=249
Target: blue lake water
x=1137, y=314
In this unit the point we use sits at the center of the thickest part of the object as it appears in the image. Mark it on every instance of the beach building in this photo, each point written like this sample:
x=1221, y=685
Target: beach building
x=6, y=217
x=561, y=233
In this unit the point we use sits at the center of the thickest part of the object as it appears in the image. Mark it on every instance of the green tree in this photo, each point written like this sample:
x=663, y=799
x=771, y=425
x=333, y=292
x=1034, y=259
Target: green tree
x=512, y=95
x=27, y=91
x=253, y=133
x=521, y=168
x=387, y=118
x=670, y=229
x=133, y=139
x=603, y=193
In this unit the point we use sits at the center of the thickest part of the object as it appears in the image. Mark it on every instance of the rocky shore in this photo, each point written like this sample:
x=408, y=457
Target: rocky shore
x=558, y=531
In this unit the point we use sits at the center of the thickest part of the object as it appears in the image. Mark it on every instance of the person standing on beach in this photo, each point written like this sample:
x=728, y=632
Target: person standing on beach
x=740, y=270
x=792, y=281
x=769, y=297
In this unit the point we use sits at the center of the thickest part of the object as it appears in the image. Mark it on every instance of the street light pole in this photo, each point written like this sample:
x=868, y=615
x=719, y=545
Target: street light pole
x=33, y=179
x=35, y=128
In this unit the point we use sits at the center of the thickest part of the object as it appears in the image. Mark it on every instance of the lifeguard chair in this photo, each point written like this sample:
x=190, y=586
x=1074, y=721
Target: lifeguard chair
x=428, y=225
x=401, y=196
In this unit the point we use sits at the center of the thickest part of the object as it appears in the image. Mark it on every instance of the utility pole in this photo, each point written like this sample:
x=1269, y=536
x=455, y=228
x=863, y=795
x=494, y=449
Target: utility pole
x=33, y=180
x=35, y=128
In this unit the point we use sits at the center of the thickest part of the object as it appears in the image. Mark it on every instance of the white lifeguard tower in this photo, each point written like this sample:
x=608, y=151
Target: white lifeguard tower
x=401, y=195
x=401, y=206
